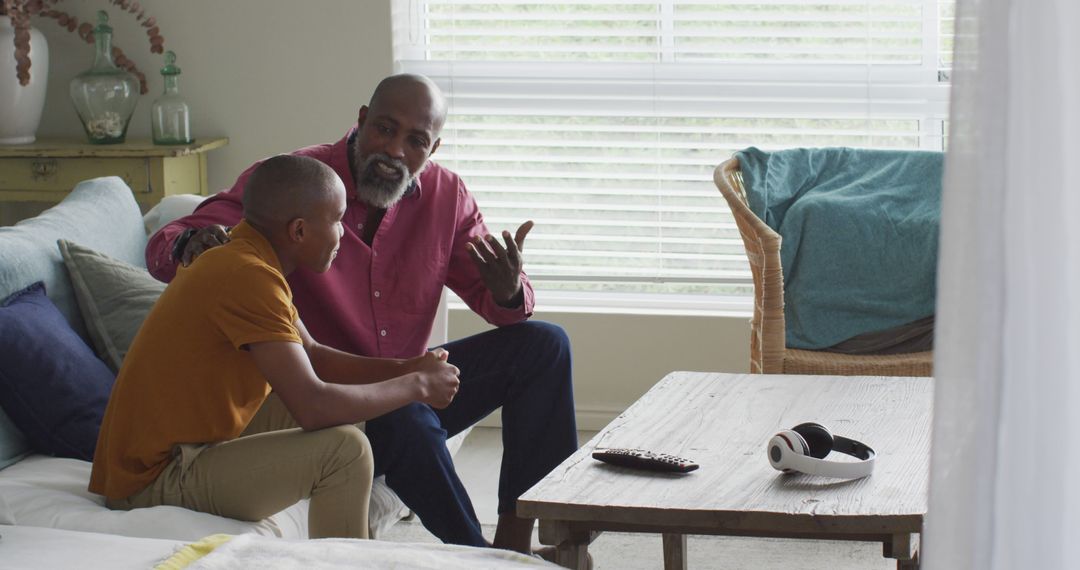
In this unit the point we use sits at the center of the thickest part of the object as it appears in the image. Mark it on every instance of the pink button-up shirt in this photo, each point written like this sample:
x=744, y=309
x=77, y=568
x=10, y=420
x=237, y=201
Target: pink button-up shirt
x=378, y=300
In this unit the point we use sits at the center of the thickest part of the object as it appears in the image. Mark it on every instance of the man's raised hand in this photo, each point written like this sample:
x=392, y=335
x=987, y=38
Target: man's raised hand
x=500, y=266
x=202, y=240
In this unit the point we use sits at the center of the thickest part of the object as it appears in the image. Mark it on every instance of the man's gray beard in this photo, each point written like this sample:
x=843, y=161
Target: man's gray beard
x=377, y=191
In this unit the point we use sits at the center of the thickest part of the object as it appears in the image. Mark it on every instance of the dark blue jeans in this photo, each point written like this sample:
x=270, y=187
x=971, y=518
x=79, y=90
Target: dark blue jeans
x=525, y=368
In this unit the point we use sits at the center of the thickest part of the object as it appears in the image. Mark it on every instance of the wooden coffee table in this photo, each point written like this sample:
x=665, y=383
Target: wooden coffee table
x=723, y=422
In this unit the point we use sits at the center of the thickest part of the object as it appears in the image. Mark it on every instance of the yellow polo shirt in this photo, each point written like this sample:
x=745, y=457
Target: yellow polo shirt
x=187, y=377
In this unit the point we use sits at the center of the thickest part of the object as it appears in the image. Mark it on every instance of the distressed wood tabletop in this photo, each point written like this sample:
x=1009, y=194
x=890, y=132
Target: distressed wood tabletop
x=723, y=422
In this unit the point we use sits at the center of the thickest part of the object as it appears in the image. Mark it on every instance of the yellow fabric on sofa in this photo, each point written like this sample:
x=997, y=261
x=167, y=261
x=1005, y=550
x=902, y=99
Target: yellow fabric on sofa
x=185, y=556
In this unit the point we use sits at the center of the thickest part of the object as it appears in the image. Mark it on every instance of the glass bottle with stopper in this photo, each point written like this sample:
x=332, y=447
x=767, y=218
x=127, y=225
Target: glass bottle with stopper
x=170, y=116
x=104, y=95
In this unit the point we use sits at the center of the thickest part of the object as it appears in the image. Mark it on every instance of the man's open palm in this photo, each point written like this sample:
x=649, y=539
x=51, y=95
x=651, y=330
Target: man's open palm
x=499, y=265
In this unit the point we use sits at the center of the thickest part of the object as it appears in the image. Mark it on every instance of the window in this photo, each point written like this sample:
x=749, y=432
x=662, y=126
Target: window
x=603, y=121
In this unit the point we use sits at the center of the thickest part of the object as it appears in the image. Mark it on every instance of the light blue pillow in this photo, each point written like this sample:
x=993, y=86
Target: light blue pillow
x=100, y=214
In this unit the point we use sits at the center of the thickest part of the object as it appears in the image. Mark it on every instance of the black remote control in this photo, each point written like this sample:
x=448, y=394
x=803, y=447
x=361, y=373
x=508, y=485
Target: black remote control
x=642, y=459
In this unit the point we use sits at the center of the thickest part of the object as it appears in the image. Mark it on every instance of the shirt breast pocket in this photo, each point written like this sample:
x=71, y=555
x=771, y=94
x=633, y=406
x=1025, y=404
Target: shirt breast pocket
x=419, y=281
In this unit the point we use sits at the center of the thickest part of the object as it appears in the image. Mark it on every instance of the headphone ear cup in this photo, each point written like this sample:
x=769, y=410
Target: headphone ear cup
x=796, y=442
x=818, y=439
x=783, y=443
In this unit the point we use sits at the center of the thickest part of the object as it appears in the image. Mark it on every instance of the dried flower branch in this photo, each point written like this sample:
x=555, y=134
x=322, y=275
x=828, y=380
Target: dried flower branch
x=20, y=11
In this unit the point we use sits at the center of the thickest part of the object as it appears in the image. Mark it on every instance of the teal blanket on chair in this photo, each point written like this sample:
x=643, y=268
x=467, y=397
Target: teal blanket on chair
x=860, y=236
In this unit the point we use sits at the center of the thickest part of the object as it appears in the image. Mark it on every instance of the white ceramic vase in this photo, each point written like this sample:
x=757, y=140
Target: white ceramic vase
x=21, y=105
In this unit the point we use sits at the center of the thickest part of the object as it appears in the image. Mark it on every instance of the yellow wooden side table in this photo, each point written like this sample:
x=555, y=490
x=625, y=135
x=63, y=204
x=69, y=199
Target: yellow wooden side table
x=47, y=170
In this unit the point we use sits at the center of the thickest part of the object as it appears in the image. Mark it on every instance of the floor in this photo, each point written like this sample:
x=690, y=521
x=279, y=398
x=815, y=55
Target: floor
x=478, y=462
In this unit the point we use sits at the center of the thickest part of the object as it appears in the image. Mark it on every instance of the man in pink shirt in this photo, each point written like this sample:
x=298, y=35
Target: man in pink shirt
x=411, y=227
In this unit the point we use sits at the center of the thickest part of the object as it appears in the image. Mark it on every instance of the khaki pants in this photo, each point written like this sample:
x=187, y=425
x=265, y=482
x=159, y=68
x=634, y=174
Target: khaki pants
x=271, y=466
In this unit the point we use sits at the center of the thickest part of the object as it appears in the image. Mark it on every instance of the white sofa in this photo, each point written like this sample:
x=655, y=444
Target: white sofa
x=44, y=491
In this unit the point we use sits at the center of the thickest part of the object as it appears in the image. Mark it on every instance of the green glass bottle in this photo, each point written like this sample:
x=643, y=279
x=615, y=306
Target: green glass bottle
x=170, y=116
x=104, y=95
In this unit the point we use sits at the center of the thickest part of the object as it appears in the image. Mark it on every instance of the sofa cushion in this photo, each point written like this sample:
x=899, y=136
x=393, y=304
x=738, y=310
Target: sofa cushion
x=51, y=492
x=169, y=209
x=114, y=298
x=13, y=445
x=100, y=214
x=51, y=385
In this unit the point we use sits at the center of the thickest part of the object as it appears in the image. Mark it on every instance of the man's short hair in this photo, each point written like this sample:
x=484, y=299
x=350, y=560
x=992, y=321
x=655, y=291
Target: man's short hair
x=285, y=187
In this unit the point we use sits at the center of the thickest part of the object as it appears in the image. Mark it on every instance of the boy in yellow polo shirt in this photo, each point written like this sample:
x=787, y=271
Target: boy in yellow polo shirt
x=181, y=426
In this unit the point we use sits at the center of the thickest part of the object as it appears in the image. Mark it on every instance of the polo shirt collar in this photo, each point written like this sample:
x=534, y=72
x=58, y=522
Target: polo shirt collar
x=246, y=232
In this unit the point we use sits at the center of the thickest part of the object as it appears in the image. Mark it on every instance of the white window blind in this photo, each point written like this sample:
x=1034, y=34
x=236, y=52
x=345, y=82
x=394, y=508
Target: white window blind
x=602, y=121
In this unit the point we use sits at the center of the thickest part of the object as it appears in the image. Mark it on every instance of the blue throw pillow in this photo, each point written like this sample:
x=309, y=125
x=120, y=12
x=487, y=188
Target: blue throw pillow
x=13, y=446
x=51, y=385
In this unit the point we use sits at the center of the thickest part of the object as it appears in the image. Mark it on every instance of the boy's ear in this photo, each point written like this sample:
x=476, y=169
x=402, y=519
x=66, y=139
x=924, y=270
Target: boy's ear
x=296, y=229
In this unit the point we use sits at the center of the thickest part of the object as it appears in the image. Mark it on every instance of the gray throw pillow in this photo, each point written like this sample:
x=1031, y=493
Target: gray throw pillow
x=114, y=298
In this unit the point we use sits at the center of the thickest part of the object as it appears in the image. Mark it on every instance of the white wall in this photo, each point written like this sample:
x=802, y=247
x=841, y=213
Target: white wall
x=273, y=76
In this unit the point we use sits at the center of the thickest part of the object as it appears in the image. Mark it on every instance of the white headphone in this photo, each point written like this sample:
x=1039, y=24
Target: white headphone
x=803, y=448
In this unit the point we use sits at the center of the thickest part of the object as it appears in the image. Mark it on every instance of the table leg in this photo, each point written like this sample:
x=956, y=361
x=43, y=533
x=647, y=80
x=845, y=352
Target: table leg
x=571, y=545
x=912, y=564
x=903, y=547
x=674, y=551
x=573, y=556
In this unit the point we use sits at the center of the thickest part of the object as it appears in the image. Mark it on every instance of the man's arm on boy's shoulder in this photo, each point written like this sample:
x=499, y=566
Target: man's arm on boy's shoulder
x=222, y=209
x=315, y=404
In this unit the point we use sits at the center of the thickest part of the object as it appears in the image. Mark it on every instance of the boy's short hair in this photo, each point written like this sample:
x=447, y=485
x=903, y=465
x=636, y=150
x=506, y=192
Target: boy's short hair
x=286, y=187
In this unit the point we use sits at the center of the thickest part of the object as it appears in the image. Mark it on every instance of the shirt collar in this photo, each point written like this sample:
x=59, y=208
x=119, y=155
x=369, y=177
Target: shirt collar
x=339, y=161
x=246, y=232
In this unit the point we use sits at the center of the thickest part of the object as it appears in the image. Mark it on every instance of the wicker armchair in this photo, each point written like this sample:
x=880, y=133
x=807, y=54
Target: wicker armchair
x=768, y=351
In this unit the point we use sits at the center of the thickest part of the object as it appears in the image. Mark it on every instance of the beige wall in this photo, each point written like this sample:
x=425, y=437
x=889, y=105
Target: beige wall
x=270, y=75
x=273, y=76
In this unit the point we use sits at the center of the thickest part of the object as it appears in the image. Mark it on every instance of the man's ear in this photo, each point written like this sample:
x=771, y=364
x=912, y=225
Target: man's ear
x=295, y=229
x=435, y=146
x=361, y=116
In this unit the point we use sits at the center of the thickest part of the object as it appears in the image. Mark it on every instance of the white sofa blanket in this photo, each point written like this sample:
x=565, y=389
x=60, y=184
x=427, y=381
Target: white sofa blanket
x=31, y=548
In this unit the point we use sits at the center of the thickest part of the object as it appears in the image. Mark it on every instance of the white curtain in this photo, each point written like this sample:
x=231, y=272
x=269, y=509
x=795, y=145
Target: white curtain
x=1005, y=463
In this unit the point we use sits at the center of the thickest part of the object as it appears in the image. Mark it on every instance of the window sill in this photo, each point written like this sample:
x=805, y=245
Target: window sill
x=634, y=304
